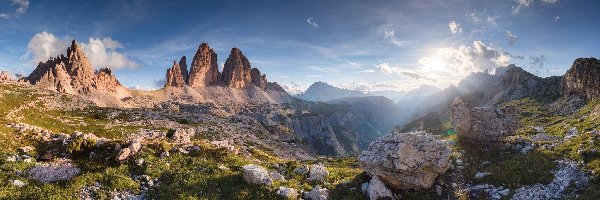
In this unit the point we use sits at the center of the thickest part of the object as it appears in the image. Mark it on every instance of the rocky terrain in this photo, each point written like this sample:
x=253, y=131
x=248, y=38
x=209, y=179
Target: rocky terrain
x=67, y=133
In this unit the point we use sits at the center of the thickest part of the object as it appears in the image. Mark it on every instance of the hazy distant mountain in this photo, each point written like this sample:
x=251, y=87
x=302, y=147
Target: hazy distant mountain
x=321, y=91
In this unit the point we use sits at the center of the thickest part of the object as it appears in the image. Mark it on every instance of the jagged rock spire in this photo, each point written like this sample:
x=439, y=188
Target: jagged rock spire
x=204, y=70
x=236, y=72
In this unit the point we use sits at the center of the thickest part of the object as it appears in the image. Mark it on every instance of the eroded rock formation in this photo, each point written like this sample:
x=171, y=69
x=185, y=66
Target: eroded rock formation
x=5, y=77
x=73, y=74
x=583, y=78
x=257, y=79
x=175, y=77
x=406, y=160
x=236, y=72
x=484, y=124
x=204, y=70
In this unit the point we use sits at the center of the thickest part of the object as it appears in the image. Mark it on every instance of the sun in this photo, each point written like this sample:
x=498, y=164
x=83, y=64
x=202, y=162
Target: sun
x=433, y=64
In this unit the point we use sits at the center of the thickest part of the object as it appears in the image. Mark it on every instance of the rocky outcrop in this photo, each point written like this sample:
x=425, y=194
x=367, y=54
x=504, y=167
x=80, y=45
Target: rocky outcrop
x=318, y=173
x=583, y=78
x=318, y=133
x=5, y=77
x=204, y=70
x=73, y=74
x=175, y=77
x=406, y=160
x=105, y=80
x=376, y=190
x=484, y=124
x=236, y=72
x=257, y=79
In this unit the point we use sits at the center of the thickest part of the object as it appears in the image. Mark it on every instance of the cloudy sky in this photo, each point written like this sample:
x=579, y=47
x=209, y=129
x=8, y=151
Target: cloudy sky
x=365, y=45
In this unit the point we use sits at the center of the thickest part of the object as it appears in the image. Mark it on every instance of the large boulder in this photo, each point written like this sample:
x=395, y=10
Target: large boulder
x=256, y=174
x=484, y=124
x=406, y=160
x=318, y=173
x=317, y=193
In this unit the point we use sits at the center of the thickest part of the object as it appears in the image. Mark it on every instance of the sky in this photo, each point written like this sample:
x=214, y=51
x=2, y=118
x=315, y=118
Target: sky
x=364, y=45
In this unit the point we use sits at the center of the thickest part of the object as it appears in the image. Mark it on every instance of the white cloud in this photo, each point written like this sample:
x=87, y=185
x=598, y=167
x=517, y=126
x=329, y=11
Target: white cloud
x=21, y=5
x=292, y=88
x=512, y=38
x=481, y=16
x=352, y=63
x=556, y=18
x=312, y=22
x=521, y=4
x=454, y=27
x=102, y=52
x=451, y=64
x=550, y=1
x=390, y=33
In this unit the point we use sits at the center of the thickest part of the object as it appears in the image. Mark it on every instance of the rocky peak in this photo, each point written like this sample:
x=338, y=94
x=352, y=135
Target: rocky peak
x=184, y=69
x=583, y=78
x=72, y=74
x=236, y=72
x=175, y=76
x=515, y=76
x=258, y=79
x=204, y=70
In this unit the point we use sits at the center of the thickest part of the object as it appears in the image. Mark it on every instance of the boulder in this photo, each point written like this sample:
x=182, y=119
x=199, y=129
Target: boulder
x=485, y=125
x=276, y=176
x=59, y=170
x=256, y=175
x=183, y=135
x=316, y=193
x=318, y=173
x=302, y=169
x=287, y=193
x=376, y=189
x=406, y=160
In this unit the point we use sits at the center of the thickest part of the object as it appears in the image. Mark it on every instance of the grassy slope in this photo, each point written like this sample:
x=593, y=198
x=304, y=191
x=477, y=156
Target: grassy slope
x=196, y=175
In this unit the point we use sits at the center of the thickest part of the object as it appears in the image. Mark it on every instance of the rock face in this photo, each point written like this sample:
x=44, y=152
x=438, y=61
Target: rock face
x=258, y=79
x=484, y=124
x=204, y=70
x=236, y=72
x=406, y=160
x=73, y=74
x=5, y=77
x=583, y=78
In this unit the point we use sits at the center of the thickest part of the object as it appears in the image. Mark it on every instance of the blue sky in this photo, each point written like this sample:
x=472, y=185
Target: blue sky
x=365, y=45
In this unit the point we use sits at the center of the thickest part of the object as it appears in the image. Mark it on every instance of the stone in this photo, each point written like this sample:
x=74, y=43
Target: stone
x=225, y=145
x=583, y=78
x=256, y=175
x=377, y=190
x=236, y=72
x=46, y=156
x=406, y=160
x=135, y=146
x=484, y=124
x=183, y=135
x=318, y=173
x=17, y=183
x=59, y=170
x=123, y=154
x=480, y=175
x=302, y=169
x=287, y=193
x=276, y=176
x=568, y=178
x=26, y=149
x=571, y=133
x=5, y=77
x=204, y=70
x=316, y=193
